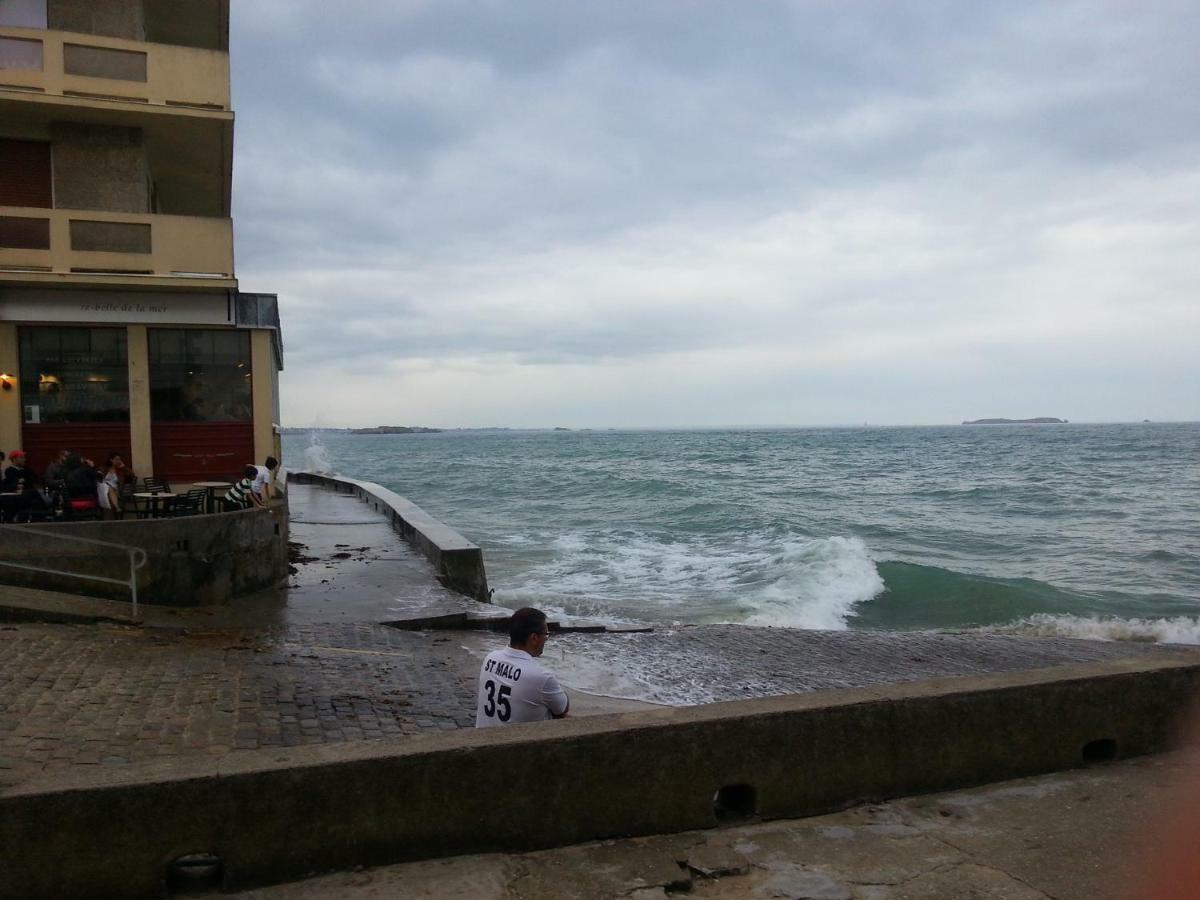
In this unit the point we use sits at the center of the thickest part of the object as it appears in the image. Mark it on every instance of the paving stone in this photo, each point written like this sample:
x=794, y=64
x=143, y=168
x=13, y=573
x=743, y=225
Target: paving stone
x=79, y=694
x=144, y=693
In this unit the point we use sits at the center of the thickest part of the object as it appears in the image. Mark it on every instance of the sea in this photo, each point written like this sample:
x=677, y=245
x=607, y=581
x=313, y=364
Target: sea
x=1088, y=531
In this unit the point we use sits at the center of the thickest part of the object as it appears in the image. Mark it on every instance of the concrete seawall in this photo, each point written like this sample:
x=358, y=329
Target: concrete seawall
x=202, y=560
x=457, y=562
x=290, y=813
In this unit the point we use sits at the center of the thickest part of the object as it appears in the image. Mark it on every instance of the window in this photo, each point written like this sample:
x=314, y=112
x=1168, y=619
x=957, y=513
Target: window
x=25, y=173
x=19, y=53
x=23, y=13
x=104, y=62
x=200, y=375
x=74, y=375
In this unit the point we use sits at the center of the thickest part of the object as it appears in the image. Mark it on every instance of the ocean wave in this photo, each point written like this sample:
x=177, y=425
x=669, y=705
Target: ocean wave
x=817, y=584
x=1175, y=630
x=757, y=579
x=316, y=457
x=923, y=597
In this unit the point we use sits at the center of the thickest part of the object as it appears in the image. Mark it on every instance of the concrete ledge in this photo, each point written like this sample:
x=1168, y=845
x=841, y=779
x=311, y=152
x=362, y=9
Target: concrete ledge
x=458, y=562
x=282, y=815
x=29, y=605
x=202, y=560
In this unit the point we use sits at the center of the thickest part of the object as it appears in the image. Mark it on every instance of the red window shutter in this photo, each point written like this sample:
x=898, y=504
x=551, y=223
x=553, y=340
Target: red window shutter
x=25, y=173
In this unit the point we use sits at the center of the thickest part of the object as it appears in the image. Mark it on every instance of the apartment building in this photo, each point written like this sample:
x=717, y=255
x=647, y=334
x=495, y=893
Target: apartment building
x=122, y=328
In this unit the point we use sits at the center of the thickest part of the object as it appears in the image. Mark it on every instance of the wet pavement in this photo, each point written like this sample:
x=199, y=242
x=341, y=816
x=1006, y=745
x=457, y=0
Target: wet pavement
x=361, y=571
x=302, y=665
x=111, y=695
x=312, y=664
x=709, y=663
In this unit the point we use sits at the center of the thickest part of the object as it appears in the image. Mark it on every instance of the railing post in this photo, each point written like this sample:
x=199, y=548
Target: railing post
x=133, y=570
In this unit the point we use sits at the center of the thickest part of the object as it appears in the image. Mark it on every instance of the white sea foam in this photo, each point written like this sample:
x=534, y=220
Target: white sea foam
x=570, y=543
x=316, y=457
x=1176, y=630
x=800, y=583
x=817, y=584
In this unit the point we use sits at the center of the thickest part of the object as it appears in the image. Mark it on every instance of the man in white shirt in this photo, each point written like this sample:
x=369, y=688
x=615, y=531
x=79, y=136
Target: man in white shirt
x=513, y=686
x=261, y=486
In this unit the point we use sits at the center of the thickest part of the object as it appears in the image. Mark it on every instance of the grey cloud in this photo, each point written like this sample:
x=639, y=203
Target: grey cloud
x=564, y=184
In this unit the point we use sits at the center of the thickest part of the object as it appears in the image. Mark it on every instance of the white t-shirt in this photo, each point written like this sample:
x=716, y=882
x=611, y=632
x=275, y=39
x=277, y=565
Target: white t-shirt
x=514, y=687
x=261, y=477
x=110, y=481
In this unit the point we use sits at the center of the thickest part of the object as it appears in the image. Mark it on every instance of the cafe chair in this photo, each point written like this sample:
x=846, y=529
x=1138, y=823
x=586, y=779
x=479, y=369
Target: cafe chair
x=155, y=483
x=189, y=503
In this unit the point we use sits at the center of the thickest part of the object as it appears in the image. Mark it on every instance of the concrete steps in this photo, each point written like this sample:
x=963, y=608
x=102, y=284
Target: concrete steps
x=21, y=604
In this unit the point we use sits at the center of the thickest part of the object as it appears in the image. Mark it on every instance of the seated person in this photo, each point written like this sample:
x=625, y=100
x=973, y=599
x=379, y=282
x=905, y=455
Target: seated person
x=54, y=471
x=81, y=479
x=16, y=477
x=20, y=482
x=108, y=489
x=242, y=495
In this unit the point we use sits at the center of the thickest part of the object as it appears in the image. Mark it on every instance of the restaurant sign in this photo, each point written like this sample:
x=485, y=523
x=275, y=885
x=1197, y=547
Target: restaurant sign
x=34, y=305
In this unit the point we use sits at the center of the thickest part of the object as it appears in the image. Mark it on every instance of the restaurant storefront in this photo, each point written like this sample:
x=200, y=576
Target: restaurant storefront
x=201, y=402
x=183, y=386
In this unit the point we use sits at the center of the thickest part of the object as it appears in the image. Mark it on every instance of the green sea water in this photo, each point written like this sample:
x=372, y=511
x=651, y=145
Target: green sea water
x=1087, y=530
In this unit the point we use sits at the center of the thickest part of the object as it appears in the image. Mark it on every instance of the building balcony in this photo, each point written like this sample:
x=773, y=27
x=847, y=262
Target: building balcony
x=63, y=246
x=88, y=68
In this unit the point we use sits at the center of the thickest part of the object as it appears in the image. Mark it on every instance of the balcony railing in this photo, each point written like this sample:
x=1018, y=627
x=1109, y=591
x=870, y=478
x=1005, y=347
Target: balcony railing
x=69, y=241
x=89, y=66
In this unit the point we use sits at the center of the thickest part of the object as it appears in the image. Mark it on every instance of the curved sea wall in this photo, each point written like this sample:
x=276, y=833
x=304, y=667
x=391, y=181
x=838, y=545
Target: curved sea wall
x=457, y=562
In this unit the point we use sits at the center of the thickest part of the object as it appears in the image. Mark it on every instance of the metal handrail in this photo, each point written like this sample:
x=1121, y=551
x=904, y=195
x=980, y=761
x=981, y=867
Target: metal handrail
x=137, y=559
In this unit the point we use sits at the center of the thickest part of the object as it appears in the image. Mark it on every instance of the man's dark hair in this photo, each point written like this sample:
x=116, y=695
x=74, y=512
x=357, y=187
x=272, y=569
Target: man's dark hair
x=271, y=462
x=250, y=472
x=525, y=622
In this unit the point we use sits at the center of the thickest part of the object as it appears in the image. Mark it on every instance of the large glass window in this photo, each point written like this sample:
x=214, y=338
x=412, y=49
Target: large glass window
x=74, y=375
x=199, y=375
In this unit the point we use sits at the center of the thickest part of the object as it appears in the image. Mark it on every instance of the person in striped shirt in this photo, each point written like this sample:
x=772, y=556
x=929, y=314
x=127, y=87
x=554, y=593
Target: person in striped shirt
x=240, y=496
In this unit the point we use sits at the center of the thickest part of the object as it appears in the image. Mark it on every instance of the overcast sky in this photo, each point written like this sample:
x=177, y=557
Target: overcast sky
x=690, y=213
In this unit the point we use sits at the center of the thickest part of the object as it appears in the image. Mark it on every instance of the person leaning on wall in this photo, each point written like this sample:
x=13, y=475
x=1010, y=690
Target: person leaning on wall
x=264, y=477
x=241, y=495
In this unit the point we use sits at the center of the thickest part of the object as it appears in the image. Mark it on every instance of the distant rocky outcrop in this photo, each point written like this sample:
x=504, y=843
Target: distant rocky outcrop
x=1041, y=420
x=396, y=429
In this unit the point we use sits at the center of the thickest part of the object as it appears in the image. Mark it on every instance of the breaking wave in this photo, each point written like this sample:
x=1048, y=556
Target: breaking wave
x=760, y=580
x=1175, y=630
x=316, y=457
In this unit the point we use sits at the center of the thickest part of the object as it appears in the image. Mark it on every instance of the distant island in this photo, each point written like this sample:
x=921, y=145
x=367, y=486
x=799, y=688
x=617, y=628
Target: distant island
x=1041, y=420
x=396, y=429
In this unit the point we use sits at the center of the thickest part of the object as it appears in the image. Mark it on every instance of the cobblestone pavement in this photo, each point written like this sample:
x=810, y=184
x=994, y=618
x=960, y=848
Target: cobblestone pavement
x=112, y=695
x=307, y=667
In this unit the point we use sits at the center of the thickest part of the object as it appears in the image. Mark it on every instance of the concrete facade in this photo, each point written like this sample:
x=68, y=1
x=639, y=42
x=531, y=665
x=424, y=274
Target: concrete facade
x=112, y=18
x=132, y=104
x=100, y=167
x=10, y=398
x=318, y=809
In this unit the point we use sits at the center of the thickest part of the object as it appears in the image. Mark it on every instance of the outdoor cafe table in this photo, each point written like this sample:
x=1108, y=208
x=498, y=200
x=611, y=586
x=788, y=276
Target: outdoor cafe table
x=153, y=509
x=212, y=487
